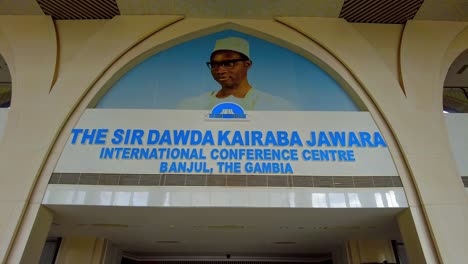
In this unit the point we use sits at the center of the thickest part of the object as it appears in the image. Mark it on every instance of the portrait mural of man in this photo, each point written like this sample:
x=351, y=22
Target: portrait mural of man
x=256, y=74
x=229, y=65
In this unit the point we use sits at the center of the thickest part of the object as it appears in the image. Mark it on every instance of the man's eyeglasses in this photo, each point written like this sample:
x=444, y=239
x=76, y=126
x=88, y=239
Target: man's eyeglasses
x=227, y=64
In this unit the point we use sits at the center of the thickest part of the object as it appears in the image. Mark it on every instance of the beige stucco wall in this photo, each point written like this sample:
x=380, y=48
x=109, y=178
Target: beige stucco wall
x=81, y=250
x=398, y=76
x=370, y=251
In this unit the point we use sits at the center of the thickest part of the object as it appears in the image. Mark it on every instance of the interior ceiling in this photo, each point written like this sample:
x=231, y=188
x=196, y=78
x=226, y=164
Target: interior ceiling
x=150, y=232
x=368, y=11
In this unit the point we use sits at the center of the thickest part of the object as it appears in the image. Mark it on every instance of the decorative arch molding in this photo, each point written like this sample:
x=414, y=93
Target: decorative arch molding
x=272, y=31
x=457, y=46
x=20, y=55
x=191, y=28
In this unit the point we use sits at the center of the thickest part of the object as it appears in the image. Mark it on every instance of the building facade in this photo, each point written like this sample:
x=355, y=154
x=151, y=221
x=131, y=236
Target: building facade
x=394, y=72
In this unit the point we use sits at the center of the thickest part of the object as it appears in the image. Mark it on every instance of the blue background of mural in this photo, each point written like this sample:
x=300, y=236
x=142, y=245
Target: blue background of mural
x=164, y=79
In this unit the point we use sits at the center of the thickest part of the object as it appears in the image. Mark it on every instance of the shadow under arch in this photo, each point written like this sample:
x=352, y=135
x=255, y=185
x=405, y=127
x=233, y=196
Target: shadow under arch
x=181, y=37
x=5, y=84
x=455, y=90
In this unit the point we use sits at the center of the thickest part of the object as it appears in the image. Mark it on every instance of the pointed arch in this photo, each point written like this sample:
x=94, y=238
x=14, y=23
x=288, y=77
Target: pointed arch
x=267, y=31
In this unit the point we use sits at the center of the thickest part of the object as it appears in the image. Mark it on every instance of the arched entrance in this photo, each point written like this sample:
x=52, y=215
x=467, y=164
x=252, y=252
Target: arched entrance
x=230, y=214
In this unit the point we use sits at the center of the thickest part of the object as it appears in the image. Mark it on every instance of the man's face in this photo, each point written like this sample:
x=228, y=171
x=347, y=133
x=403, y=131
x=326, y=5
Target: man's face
x=231, y=75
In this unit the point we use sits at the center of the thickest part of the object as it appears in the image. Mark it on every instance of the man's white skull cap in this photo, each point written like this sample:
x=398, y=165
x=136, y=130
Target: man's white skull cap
x=233, y=43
